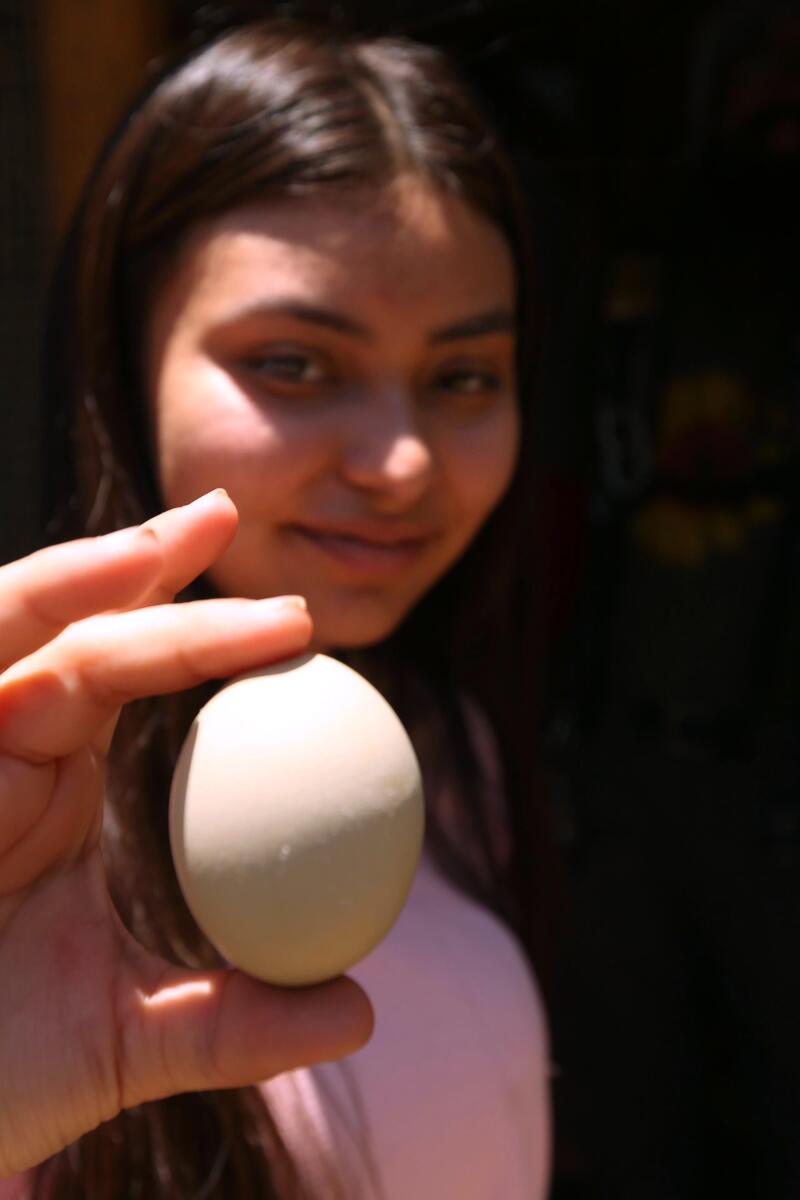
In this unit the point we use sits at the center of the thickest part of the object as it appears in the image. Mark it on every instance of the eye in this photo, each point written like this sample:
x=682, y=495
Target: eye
x=468, y=381
x=288, y=366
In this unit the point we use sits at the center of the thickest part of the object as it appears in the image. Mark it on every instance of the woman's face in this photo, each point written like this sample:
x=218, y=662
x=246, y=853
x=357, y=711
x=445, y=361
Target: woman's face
x=346, y=372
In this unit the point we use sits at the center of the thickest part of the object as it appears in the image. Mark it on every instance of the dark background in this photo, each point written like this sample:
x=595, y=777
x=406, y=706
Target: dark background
x=659, y=144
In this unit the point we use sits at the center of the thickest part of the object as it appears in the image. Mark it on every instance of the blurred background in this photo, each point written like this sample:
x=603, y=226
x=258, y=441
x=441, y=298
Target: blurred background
x=659, y=144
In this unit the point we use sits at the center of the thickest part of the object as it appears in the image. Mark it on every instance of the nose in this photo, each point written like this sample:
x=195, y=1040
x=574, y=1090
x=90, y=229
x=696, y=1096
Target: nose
x=385, y=448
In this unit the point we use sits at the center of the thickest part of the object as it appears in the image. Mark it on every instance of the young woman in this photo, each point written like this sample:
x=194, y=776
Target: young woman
x=299, y=273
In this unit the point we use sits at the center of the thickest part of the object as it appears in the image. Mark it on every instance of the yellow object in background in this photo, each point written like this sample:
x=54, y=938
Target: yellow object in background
x=671, y=531
x=725, y=529
x=703, y=398
x=763, y=510
x=685, y=535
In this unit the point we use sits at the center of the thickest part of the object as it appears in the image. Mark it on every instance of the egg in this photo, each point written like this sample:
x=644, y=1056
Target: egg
x=296, y=820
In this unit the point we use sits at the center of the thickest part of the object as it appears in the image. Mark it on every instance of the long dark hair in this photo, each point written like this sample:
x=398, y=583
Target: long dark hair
x=278, y=109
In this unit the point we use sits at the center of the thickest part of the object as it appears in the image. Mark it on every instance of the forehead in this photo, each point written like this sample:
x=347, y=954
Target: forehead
x=411, y=248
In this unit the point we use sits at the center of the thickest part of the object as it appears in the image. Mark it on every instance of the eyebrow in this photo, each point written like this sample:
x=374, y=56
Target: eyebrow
x=495, y=320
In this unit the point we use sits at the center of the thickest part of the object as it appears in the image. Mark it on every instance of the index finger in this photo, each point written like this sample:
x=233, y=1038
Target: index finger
x=44, y=593
x=41, y=594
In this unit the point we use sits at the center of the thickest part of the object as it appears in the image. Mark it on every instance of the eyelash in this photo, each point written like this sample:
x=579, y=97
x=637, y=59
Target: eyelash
x=488, y=381
x=273, y=367
x=260, y=364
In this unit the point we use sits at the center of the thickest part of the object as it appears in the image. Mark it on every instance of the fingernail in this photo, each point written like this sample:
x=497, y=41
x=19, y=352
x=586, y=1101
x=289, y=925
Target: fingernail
x=208, y=496
x=289, y=602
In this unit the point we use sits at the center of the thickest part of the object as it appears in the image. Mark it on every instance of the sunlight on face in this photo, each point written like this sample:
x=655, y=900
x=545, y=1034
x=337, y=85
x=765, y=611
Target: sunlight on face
x=347, y=372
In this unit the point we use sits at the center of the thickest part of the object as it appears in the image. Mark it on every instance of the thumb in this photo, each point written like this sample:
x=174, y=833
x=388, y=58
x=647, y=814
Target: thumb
x=201, y=1031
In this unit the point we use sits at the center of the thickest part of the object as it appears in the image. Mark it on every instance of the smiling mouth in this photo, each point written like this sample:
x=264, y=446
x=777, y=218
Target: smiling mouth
x=364, y=554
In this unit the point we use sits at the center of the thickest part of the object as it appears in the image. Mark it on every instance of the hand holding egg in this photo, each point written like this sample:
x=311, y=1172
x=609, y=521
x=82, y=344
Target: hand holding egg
x=99, y=1021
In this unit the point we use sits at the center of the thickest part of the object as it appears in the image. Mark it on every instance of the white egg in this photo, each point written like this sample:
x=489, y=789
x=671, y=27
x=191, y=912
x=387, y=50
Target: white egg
x=296, y=820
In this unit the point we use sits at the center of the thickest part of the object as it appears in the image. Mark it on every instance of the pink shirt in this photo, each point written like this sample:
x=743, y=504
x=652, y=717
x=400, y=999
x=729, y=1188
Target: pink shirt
x=450, y=1097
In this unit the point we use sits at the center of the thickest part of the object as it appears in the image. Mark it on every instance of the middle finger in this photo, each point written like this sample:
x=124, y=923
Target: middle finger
x=63, y=696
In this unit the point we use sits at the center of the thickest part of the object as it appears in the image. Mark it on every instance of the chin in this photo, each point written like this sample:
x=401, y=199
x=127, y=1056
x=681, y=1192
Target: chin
x=353, y=629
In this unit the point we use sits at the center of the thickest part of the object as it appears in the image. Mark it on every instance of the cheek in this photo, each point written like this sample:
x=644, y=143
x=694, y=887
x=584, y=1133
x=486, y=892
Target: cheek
x=482, y=464
x=210, y=434
x=197, y=454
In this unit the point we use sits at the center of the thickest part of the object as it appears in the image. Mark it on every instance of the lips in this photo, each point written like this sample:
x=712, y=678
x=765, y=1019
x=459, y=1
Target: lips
x=371, y=549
